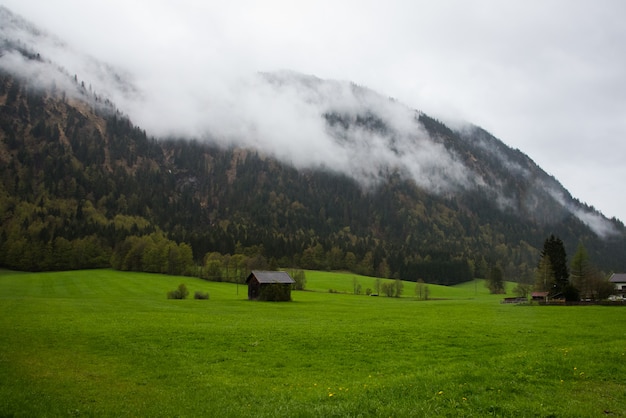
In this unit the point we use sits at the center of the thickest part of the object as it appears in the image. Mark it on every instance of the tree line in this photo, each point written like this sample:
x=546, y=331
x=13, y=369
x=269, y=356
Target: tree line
x=556, y=279
x=577, y=280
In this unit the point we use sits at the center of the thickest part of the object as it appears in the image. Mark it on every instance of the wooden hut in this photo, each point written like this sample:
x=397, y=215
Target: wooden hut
x=269, y=285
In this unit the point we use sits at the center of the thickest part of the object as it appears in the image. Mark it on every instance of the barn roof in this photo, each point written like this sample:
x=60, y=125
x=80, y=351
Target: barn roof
x=271, y=277
x=618, y=278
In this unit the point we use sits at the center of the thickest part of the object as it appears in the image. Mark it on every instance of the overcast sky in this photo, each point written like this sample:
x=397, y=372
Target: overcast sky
x=546, y=76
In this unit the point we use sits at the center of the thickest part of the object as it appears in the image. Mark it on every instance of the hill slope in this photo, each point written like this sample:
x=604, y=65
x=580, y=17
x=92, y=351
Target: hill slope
x=371, y=186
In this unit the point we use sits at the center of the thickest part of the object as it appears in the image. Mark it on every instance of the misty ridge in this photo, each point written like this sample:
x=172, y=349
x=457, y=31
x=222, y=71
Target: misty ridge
x=302, y=120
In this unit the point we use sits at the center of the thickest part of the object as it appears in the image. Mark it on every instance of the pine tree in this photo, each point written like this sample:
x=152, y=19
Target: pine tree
x=554, y=249
x=582, y=271
x=544, y=278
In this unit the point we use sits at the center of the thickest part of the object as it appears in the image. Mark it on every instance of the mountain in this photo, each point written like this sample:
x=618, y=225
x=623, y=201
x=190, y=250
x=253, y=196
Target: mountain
x=332, y=176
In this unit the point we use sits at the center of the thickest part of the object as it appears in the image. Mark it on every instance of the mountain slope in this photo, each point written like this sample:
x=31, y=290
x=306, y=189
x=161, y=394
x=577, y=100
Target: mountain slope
x=370, y=185
x=380, y=136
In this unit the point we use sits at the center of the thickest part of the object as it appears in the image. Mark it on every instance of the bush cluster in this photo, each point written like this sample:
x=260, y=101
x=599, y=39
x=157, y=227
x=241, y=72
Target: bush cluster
x=182, y=293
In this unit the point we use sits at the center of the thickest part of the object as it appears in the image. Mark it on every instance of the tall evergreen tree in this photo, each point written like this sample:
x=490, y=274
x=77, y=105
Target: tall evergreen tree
x=544, y=277
x=554, y=249
x=582, y=271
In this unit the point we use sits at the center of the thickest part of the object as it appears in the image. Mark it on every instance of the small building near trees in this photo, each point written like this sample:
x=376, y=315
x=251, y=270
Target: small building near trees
x=619, y=281
x=269, y=285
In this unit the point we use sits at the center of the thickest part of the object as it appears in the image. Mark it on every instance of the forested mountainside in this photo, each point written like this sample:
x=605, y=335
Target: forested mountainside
x=78, y=180
x=395, y=192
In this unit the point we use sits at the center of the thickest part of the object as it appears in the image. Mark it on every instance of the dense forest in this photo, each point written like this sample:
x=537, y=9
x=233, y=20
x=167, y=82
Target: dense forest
x=82, y=187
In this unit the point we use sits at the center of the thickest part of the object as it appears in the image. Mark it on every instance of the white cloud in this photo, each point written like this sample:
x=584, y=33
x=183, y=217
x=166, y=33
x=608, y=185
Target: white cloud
x=594, y=220
x=544, y=76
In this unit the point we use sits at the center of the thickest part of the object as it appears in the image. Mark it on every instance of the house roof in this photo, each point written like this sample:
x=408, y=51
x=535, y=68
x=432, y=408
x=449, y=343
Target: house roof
x=539, y=294
x=618, y=278
x=271, y=277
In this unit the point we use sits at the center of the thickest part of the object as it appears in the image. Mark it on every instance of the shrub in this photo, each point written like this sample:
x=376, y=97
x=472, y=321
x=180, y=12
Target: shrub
x=398, y=286
x=180, y=293
x=523, y=290
x=201, y=295
x=300, y=279
x=421, y=290
x=213, y=270
x=388, y=289
x=571, y=294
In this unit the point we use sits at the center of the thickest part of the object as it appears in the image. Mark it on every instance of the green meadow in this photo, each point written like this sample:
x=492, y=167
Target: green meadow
x=107, y=343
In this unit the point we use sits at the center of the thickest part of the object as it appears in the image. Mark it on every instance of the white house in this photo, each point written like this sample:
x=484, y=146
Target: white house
x=619, y=281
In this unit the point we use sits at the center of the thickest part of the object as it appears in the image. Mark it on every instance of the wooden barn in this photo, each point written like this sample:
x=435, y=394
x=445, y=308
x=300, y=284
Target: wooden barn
x=269, y=285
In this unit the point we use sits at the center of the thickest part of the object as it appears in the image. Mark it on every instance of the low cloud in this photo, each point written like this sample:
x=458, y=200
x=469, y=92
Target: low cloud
x=601, y=226
x=284, y=114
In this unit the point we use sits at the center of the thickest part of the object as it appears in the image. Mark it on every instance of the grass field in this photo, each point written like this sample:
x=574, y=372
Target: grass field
x=107, y=343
